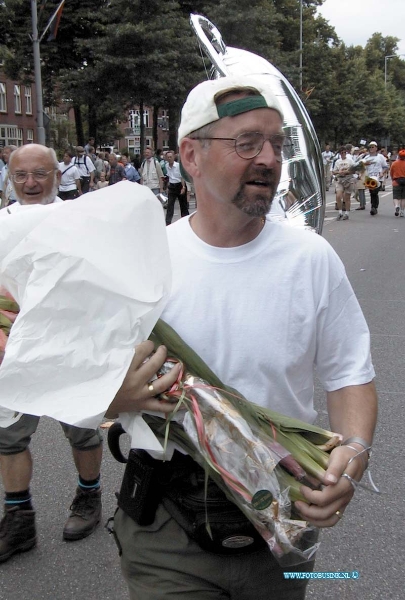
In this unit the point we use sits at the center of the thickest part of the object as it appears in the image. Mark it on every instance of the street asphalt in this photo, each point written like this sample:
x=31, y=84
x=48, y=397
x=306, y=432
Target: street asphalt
x=368, y=540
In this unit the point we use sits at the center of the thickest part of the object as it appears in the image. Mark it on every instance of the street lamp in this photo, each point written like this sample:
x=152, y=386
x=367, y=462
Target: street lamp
x=385, y=66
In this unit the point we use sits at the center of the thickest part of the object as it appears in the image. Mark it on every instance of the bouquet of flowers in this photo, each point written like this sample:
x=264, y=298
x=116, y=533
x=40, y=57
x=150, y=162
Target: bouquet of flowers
x=258, y=457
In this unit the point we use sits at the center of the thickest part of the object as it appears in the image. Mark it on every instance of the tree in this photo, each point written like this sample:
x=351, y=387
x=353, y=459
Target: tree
x=143, y=66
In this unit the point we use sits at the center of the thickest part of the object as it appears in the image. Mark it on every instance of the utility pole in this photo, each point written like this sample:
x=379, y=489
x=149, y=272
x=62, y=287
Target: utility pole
x=41, y=138
x=300, y=45
x=385, y=66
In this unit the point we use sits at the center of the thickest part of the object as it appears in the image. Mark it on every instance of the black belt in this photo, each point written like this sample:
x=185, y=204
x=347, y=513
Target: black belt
x=180, y=485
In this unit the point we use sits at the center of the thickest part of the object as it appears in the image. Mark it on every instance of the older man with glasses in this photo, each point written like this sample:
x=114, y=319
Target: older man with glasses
x=35, y=176
x=258, y=301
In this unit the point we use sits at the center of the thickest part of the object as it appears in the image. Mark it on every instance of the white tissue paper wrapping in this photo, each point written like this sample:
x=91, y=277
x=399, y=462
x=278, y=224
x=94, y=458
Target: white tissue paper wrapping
x=92, y=277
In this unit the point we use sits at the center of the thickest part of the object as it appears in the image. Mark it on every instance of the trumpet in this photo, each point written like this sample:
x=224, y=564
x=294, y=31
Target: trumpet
x=371, y=182
x=300, y=196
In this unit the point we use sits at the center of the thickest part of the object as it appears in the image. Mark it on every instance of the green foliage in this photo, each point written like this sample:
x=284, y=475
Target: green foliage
x=114, y=54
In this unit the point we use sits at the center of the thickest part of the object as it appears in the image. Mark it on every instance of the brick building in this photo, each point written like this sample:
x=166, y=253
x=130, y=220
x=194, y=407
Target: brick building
x=17, y=112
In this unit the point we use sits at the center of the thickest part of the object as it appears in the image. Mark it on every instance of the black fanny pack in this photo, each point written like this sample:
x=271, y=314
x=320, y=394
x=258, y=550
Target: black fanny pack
x=201, y=509
x=400, y=180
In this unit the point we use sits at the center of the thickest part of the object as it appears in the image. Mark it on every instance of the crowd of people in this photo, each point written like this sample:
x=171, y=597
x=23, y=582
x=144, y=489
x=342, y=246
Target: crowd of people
x=355, y=169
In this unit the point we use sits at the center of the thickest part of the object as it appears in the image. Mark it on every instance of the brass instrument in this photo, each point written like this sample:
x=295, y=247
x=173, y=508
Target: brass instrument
x=300, y=196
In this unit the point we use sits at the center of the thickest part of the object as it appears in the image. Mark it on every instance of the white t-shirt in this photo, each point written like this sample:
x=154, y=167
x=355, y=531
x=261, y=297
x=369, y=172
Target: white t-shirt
x=327, y=157
x=265, y=314
x=84, y=165
x=377, y=165
x=16, y=206
x=69, y=176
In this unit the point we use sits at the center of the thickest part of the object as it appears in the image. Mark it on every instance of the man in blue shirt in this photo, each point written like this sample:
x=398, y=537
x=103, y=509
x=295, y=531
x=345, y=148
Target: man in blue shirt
x=130, y=172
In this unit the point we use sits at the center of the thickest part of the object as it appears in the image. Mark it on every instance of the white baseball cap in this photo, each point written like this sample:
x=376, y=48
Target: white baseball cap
x=373, y=144
x=200, y=108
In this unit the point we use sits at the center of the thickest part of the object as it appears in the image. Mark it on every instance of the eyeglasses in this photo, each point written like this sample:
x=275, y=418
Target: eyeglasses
x=249, y=145
x=38, y=175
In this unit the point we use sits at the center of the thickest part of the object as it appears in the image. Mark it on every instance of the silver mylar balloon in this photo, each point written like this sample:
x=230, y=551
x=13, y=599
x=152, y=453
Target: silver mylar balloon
x=300, y=196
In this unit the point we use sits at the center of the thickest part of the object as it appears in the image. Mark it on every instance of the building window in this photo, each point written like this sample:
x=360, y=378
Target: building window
x=17, y=99
x=30, y=136
x=20, y=137
x=28, y=100
x=11, y=135
x=3, y=98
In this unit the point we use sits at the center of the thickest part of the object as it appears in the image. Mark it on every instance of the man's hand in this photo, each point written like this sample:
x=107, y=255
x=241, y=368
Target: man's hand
x=135, y=393
x=326, y=507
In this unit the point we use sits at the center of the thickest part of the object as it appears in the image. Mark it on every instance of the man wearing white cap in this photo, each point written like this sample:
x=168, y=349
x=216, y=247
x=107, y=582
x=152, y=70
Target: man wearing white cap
x=376, y=166
x=260, y=303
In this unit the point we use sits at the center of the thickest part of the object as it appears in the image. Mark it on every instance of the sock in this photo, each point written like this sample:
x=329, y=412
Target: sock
x=21, y=499
x=347, y=212
x=341, y=212
x=87, y=485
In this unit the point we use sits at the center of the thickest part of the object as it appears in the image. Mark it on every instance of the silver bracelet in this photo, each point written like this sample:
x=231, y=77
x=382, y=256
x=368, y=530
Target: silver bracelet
x=358, y=440
x=359, y=454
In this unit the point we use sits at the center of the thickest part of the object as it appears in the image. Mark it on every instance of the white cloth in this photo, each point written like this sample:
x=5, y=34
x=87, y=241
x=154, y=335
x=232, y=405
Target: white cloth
x=91, y=278
x=265, y=314
x=69, y=176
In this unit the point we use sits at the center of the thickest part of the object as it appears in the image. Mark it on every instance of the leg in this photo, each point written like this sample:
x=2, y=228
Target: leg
x=16, y=471
x=339, y=198
x=17, y=527
x=402, y=195
x=374, y=201
x=346, y=199
x=362, y=199
x=183, y=204
x=172, y=196
x=85, y=184
x=88, y=462
x=396, y=194
x=160, y=561
x=86, y=506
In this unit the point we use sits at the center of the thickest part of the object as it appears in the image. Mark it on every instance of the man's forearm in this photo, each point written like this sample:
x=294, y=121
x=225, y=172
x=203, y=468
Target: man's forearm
x=353, y=411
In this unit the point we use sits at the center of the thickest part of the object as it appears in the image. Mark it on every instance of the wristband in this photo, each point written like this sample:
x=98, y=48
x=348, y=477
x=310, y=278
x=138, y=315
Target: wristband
x=360, y=441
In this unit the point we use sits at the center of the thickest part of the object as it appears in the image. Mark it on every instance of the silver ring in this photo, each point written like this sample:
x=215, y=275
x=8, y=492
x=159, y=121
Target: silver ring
x=151, y=388
x=339, y=514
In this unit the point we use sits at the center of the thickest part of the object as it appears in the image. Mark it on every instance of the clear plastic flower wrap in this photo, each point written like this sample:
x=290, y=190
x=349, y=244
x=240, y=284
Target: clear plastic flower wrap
x=258, y=457
x=248, y=461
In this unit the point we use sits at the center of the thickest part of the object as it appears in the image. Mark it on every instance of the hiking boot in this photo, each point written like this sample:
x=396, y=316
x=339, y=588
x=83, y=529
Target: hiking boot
x=397, y=211
x=339, y=217
x=85, y=514
x=345, y=217
x=17, y=532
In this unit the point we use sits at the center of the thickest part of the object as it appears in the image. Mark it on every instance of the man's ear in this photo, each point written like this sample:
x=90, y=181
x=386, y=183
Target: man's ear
x=189, y=152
